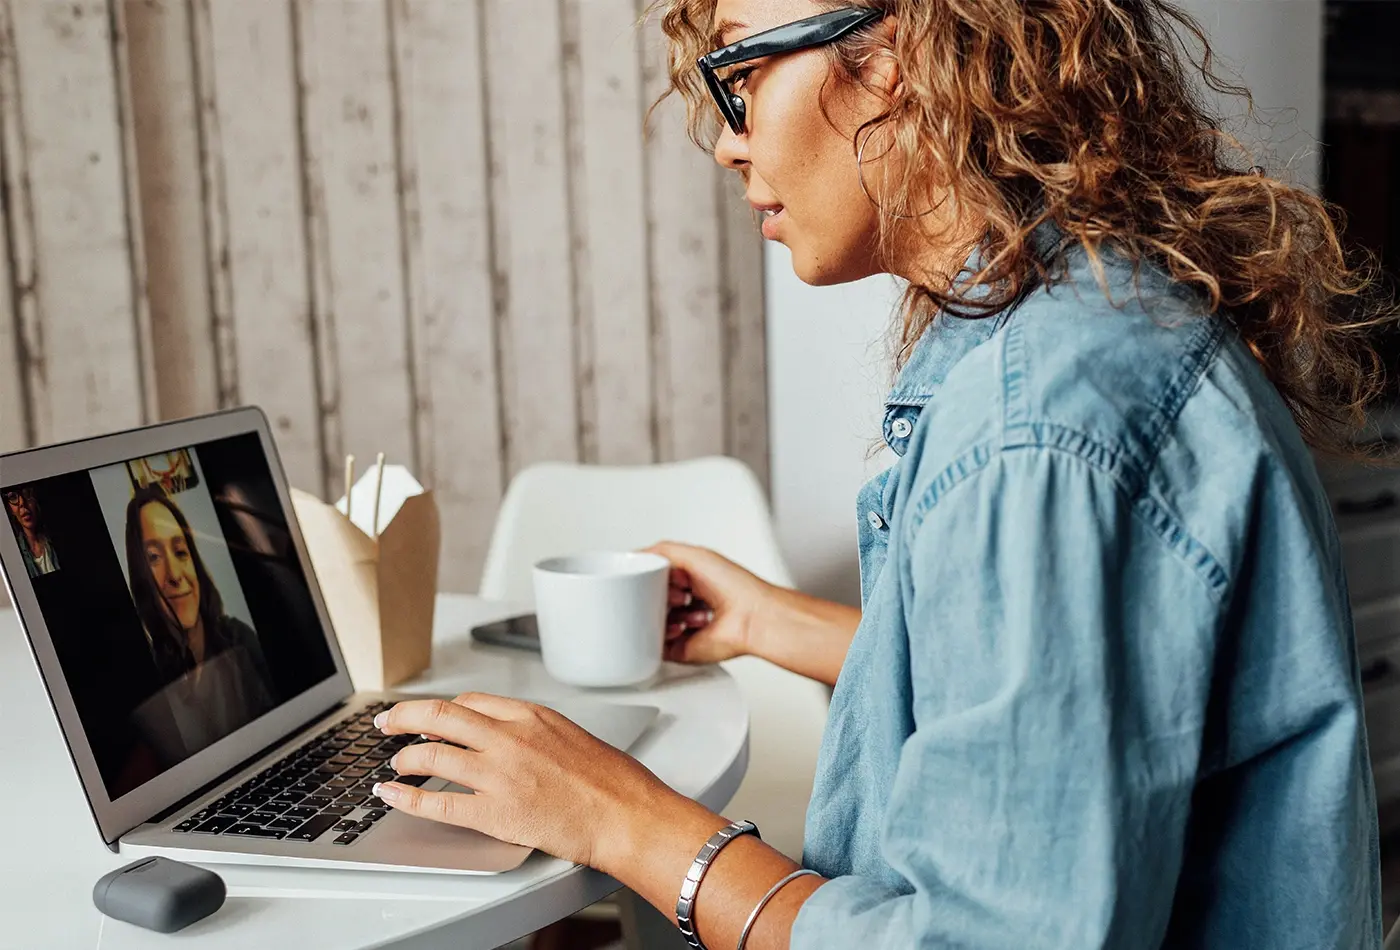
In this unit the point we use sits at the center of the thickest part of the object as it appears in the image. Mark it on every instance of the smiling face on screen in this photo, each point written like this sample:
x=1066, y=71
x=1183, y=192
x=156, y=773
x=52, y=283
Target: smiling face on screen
x=171, y=562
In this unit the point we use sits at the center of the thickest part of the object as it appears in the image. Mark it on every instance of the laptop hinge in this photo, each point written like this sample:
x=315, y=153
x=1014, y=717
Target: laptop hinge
x=205, y=789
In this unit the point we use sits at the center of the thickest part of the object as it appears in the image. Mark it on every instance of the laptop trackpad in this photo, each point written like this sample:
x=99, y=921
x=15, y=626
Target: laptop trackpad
x=421, y=841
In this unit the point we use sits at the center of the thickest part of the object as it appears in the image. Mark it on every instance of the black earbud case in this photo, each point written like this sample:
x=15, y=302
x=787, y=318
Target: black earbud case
x=159, y=894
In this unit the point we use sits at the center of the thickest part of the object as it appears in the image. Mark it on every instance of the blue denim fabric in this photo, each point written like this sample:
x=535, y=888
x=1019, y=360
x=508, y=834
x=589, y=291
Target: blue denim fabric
x=1104, y=692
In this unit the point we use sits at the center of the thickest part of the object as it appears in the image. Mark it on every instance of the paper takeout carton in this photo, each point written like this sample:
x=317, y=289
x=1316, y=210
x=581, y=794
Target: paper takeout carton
x=379, y=592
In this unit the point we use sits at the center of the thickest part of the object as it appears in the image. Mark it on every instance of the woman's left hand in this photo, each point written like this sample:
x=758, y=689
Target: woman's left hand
x=539, y=779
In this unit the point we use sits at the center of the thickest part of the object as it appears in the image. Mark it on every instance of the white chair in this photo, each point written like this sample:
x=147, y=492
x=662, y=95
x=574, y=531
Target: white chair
x=555, y=509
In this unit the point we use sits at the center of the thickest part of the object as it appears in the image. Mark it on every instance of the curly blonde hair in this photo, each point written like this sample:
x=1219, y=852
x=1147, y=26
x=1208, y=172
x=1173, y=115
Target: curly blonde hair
x=1083, y=113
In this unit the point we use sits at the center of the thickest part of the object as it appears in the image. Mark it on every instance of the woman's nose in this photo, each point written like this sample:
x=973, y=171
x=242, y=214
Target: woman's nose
x=732, y=151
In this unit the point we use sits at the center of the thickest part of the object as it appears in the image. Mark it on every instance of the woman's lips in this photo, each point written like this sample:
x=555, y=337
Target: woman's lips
x=772, y=212
x=771, y=218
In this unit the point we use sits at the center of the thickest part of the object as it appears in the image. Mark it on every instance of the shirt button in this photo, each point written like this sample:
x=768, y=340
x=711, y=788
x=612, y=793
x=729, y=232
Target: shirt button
x=901, y=428
x=875, y=520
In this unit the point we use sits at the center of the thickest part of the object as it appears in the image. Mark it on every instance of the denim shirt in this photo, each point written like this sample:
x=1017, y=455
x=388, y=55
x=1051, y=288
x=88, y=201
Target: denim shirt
x=1104, y=692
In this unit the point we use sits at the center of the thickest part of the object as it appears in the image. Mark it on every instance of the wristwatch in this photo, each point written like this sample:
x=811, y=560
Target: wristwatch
x=685, y=906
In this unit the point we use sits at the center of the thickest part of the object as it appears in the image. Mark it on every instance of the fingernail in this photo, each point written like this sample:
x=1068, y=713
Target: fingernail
x=380, y=720
x=385, y=793
x=393, y=761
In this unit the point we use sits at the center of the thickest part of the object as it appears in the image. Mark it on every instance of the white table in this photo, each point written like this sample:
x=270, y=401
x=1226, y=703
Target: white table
x=51, y=854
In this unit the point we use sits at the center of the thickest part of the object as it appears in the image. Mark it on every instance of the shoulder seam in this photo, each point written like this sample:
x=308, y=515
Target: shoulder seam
x=1197, y=360
x=1130, y=484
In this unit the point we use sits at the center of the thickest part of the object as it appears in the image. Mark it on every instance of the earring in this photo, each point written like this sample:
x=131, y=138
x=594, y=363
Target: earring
x=860, y=176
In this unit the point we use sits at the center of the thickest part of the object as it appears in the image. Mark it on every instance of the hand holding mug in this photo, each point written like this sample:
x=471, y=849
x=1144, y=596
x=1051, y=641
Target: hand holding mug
x=713, y=605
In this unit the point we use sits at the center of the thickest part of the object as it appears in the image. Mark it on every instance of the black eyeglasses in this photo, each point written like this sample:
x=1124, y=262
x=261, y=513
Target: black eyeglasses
x=789, y=38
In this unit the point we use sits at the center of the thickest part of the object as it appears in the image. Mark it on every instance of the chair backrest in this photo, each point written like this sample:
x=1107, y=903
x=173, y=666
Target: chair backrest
x=553, y=509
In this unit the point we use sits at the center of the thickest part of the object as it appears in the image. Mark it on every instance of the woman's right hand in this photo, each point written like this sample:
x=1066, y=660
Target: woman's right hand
x=713, y=605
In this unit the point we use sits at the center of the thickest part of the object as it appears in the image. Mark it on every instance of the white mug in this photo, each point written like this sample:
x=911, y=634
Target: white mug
x=602, y=616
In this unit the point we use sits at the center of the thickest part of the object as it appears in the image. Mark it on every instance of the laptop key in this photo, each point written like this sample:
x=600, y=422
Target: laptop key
x=286, y=824
x=345, y=825
x=237, y=808
x=187, y=825
x=316, y=801
x=215, y=825
x=347, y=838
x=339, y=811
x=414, y=780
x=284, y=801
x=374, y=814
x=363, y=826
x=313, y=829
x=301, y=811
x=261, y=817
x=254, y=831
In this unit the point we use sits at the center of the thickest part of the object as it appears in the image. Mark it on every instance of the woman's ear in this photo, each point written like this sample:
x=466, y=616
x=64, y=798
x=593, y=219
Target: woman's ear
x=884, y=73
x=888, y=71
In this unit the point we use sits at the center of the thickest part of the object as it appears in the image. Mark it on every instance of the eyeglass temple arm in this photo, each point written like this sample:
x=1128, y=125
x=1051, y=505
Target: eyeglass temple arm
x=815, y=31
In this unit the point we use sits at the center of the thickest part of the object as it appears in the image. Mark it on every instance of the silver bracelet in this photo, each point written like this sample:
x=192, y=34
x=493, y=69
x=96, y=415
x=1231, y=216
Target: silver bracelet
x=685, y=906
x=748, y=924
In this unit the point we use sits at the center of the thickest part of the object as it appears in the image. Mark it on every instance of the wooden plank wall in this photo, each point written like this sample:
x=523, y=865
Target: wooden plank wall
x=428, y=227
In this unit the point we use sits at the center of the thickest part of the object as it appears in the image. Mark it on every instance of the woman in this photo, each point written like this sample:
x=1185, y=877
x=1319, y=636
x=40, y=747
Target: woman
x=35, y=548
x=212, y=665
x=1103, y=689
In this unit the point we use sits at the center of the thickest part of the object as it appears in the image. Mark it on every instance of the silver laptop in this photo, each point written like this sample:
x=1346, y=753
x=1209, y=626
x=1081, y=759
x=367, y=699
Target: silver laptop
x=165, y=589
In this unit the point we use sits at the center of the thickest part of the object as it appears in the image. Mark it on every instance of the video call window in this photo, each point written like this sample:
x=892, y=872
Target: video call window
x=28, y=523
x=174, y=597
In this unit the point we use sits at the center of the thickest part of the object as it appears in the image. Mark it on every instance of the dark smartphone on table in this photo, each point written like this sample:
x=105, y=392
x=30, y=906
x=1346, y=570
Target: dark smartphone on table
x=519, y=632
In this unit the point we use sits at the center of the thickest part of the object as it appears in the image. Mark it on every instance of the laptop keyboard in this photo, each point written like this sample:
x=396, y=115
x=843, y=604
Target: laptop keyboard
x=321, y=787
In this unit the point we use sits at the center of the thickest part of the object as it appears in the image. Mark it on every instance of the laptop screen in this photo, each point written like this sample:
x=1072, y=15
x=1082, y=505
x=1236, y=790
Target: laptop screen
x=174, y=598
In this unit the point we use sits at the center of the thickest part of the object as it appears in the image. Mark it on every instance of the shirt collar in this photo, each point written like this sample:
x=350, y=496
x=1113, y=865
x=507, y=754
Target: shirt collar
x=949, y=338
x=945, y=341
x=943, y=345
